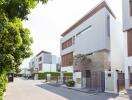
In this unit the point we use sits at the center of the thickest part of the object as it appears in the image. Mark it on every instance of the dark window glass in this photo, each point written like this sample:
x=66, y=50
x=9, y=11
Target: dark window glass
x=88, y=73
x=40, y=67
x=108, y=25
x=129, y=42
x=40, y=58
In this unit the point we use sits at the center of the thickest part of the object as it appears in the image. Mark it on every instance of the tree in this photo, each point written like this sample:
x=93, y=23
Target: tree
x=81, y=61
x=15, y=40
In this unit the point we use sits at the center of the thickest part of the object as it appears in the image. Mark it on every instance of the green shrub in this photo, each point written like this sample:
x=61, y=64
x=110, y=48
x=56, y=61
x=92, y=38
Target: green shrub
x=41, y=76
x=53, y=73
x=70, y=83
x=3, y=84
x=68, y=74
x=44, y=75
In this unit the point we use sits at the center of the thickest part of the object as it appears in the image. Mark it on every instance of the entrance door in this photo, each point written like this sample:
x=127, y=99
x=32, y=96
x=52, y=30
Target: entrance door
x=130, y=75
x=121, y=81
x=95, y=80
x=88, y=79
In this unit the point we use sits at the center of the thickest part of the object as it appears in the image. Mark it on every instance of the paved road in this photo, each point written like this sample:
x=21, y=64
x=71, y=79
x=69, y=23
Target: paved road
x=35, y=90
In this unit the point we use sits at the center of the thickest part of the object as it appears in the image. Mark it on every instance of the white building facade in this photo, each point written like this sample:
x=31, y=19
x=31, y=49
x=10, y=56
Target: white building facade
x=127, y=28
x=97, y=31
x=98, y=35
x=44, y=62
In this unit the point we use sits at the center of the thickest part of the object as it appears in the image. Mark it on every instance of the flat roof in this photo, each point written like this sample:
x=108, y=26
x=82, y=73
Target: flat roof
x=43, y=52
x=88, y=15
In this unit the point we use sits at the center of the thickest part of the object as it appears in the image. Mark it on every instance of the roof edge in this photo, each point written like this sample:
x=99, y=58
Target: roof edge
x=43, y=52
x=93, y=11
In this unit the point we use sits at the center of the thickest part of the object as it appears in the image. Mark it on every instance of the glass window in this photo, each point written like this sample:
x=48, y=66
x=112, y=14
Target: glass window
x=40, y=59
x=67, y=60
x=67, y=44
x=108, y=25
x=40, y=67
x=129, y=42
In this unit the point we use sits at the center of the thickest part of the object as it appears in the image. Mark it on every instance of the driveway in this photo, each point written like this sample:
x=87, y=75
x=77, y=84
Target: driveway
x=36, y=90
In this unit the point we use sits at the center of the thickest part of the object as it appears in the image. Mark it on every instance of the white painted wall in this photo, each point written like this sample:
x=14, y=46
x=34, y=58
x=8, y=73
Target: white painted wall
x=127, y=20
x=76, y=77
x=127, y=24
x=96, y=38
x=116, y=45
x=48, y=68
x=92, y=39
x=128, y=60
x=111, y=82
x=48, y=62
x=67, y=69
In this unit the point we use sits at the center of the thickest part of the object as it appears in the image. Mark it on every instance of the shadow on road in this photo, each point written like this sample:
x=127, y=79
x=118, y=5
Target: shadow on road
x=76, y=95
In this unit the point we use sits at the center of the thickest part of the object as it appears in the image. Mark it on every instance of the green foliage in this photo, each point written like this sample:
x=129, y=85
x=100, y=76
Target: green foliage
x=18, y=70
x=70, y=83
x=41, y=76
x=3, y=83
x=15, y=40
x=68, y=74
x=53, y=73
x=44, y=75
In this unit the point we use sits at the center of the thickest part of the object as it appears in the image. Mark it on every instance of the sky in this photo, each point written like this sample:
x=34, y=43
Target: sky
x=47, y=22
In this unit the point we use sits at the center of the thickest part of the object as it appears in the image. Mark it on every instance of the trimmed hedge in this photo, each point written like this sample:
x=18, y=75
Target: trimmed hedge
x=68, y=74
x=44, y=75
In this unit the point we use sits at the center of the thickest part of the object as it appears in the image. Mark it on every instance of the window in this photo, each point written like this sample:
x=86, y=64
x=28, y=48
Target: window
x=108, y=25
x=129, y=42
x=32, y=63
x=84, y=30
x=40, y=67
x=88, y=74
x=67, y=44
x=109, y=74
x=73, y=39
x=130, y=4
x=67, y=60
x=40, y=59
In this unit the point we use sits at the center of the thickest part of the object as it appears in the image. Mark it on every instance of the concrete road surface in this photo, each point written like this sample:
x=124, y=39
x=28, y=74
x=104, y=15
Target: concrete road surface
x=22, y=89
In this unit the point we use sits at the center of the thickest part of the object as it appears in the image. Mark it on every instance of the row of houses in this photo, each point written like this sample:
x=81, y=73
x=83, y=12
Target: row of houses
x=104, y=48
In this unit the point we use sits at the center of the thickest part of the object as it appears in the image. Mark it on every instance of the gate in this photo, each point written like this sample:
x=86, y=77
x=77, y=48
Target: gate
x=95, y=80
x=120, y=81
x=130, y=80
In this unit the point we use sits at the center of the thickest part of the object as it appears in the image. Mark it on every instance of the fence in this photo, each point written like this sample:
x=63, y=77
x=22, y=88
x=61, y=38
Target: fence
x=120, y=81
x=131, y=80
x=95, y=80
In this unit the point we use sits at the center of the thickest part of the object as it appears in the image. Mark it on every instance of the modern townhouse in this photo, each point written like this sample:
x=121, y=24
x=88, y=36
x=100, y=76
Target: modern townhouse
x=127, y=28
x=99, y=36
x=44, y=62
